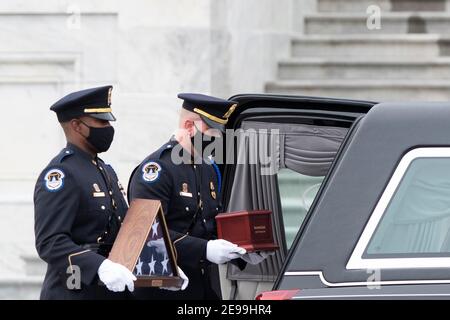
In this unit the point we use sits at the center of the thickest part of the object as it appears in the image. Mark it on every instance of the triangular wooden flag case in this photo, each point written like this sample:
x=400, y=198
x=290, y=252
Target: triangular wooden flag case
x=143, y=246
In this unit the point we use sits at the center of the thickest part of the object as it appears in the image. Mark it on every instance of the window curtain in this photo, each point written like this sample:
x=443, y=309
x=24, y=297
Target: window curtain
x=264, y=148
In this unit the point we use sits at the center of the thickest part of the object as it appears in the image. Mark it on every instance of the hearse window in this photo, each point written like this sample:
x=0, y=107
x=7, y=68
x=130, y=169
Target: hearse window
x=417, y=219
x=410, y=225
x=297, y=192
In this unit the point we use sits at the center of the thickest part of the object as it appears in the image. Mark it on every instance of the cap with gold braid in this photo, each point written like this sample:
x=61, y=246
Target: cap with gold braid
x=213, y=111
x=94, y=102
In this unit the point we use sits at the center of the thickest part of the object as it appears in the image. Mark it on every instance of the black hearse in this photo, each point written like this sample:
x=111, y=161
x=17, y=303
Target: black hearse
x=360, y=195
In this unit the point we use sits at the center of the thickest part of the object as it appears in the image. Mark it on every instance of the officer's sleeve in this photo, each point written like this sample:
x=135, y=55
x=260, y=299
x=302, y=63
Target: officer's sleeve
x=190, y=250
x=55, y=209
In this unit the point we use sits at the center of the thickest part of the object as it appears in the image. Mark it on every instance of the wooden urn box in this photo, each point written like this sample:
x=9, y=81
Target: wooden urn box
x=251, y=230
x=143, y=246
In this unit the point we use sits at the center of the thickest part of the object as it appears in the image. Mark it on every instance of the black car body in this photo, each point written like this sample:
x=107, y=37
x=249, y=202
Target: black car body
x=378, y=225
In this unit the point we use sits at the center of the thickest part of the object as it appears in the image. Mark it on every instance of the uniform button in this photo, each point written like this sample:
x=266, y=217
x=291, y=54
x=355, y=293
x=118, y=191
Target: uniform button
x=195, y=167
x=94, y=163
x=67, y=151
x=103, y=207
x=187, y=208
x=198, y=193
x=217, y=209
x=169, y=146
x=119, y=218
x=101, y=168
x=110, y=193
x=204, y=220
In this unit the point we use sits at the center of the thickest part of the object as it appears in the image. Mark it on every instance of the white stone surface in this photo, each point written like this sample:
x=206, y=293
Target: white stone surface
x=336, y=55
x=385, y=5
x=417, y=47
x=372, y=90
x=316, y=69
x=150, y=50
x=390, y=23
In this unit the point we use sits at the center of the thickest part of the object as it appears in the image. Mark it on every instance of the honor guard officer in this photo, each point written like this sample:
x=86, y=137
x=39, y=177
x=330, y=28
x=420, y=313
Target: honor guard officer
x=79, y=205
x=190, y=196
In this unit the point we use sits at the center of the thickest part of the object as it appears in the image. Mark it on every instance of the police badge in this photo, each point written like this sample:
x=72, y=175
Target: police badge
x=54, y=180
x=150, y=171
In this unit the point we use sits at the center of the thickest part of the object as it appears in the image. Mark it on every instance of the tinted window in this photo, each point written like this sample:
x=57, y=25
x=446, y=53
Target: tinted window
x=297, y=192
x=417, y=220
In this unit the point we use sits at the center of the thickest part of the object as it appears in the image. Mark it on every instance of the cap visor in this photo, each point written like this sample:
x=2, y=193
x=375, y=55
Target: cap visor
x=108, y=116
x=213, y=124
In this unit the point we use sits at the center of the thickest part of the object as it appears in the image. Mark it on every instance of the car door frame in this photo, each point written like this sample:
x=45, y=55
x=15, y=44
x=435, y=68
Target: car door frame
x=251, y=105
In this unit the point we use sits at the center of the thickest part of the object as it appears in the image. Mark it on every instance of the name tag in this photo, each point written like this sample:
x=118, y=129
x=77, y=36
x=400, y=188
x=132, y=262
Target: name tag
x=186, y=194
x=98, y=194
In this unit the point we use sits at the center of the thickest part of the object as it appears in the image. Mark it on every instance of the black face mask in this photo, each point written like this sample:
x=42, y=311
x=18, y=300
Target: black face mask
x=200, y=147
x=100, y=138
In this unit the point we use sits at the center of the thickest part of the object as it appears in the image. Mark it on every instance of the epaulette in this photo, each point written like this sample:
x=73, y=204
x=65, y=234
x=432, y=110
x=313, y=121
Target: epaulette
x=158, y=153
x=63, y=154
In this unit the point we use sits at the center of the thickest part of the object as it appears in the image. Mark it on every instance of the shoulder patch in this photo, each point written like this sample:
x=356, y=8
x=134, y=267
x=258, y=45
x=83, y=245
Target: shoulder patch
x=151, y=171
x=54, y=180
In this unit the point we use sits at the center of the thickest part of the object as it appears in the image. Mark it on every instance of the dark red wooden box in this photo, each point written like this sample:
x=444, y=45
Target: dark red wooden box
x=251, y=230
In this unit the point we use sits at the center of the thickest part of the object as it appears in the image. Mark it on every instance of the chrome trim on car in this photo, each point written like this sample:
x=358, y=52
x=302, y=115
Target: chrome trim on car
x=363, y=283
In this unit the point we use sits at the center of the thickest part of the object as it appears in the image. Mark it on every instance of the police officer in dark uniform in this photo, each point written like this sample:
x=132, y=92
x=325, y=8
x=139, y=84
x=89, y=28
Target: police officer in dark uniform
x=79, y=205
x=189, y=190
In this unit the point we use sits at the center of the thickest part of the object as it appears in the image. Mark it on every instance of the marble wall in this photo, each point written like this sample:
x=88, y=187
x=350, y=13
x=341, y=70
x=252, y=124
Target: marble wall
x=150, y=50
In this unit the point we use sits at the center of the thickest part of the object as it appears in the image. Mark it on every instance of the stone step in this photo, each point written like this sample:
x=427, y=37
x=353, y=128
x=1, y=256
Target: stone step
x=20, y=288
x=385, y=47
x=391, y=23
x=385, y=5
x=375, y=90
x=311, y=69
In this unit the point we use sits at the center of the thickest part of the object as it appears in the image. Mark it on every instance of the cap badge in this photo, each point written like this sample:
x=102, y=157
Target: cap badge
x=109, y=96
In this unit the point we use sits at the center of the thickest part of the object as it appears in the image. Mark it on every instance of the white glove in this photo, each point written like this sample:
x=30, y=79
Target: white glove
x=220, y=251
x=115, y=276
x=257, y=257
x=183, y=286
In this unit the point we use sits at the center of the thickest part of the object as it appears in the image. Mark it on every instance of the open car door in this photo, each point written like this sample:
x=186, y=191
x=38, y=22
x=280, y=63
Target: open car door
x=281, y=151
